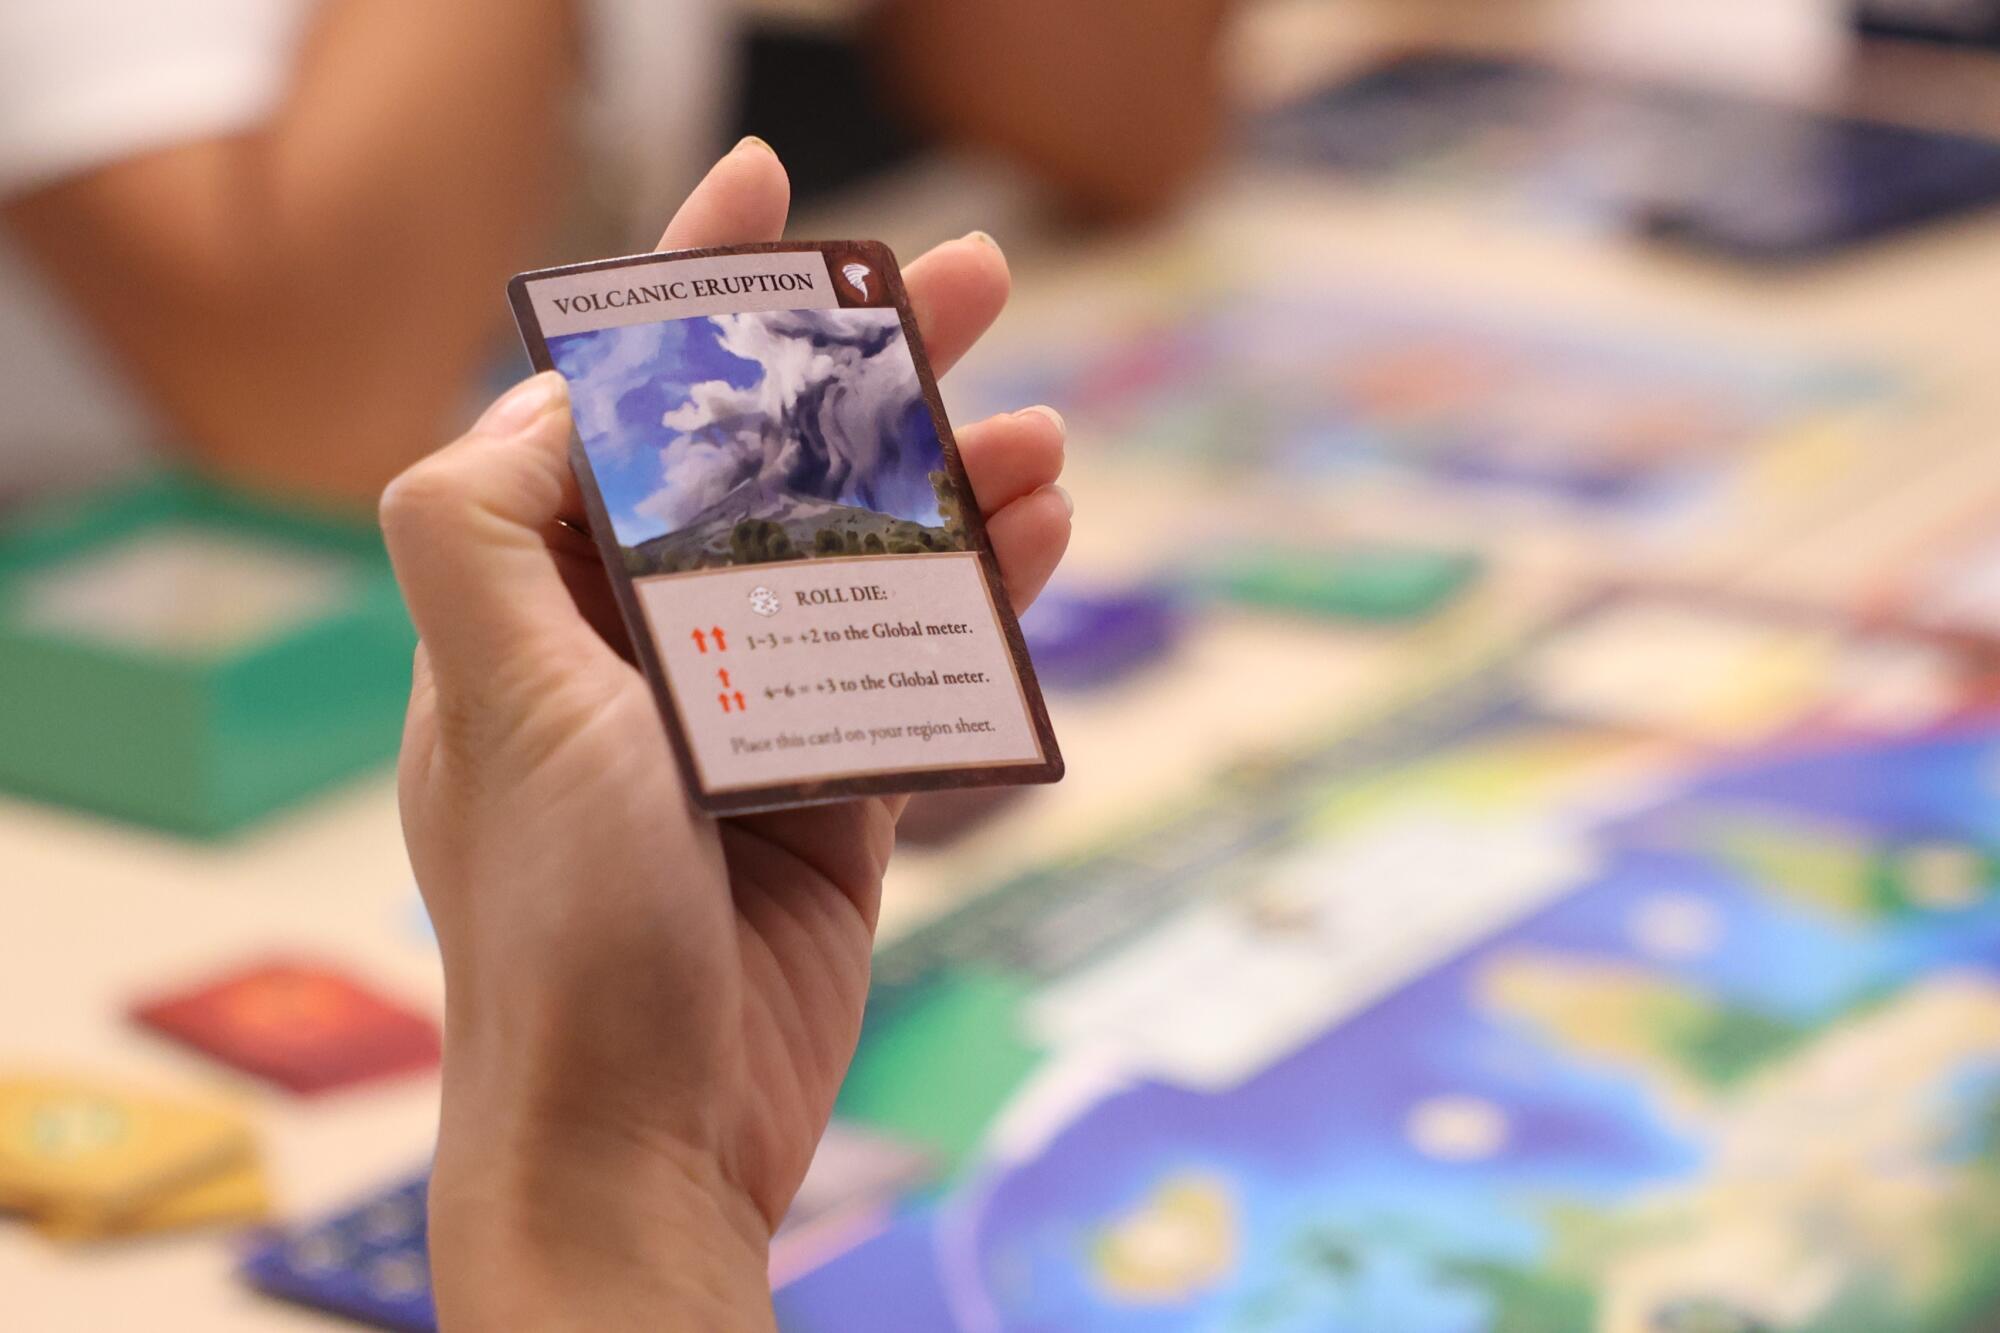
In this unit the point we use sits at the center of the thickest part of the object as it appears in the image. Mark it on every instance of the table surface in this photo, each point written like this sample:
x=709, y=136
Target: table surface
x=101, y=911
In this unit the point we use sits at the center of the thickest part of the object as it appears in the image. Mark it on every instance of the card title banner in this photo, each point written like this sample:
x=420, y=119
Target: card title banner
x=681, y=288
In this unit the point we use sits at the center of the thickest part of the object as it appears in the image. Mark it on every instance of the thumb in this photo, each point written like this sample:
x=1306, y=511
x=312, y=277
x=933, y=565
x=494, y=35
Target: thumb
x=468, y=531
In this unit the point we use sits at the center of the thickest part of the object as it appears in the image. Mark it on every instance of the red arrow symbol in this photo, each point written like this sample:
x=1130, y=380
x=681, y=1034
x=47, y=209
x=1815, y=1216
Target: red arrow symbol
x=701, y=640
x=721, y=644
x=723, y=699
x=739, y=701
x=724, y=673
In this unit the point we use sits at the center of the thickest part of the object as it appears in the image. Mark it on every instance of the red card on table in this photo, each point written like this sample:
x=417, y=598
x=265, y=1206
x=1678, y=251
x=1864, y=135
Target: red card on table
x=300, y=1025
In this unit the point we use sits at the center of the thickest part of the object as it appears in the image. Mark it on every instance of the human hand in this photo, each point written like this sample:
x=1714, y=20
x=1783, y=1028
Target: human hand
x=648, y=1012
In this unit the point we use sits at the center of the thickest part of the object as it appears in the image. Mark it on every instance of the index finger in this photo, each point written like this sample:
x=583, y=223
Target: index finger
x=956, y=291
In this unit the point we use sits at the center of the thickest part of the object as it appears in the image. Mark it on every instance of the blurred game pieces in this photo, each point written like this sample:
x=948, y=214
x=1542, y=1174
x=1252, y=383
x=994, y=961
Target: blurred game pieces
x=1737, y=673
x=303, y=1026
x=86, y=1159
x=370, y=1263
x=1083, y=638
x=1371, y=583
x=1295, y=410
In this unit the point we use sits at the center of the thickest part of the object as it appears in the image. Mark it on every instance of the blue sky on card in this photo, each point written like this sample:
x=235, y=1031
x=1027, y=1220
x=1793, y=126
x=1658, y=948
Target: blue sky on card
x=821, y=403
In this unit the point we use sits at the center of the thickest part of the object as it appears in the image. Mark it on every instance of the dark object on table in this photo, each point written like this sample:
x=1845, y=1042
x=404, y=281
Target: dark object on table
x=370, y=1264
x=1080, y=640
x=1951, y=22
x=1750, y=179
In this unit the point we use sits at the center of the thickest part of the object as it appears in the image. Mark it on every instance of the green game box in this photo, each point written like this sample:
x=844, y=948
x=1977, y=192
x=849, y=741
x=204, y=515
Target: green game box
x=190, y=658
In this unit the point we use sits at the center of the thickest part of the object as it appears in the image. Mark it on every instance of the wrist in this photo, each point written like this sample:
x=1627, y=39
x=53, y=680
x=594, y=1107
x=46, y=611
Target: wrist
x=541, y=1070
x=535, y=1225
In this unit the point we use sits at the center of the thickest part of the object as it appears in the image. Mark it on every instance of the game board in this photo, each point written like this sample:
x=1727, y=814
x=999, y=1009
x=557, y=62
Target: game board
x=1549, y=1006
x=1313, y=407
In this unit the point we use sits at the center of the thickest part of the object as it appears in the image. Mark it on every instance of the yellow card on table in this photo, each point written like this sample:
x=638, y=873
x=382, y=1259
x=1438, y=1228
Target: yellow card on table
x=84, y=1145
x=237, y=1194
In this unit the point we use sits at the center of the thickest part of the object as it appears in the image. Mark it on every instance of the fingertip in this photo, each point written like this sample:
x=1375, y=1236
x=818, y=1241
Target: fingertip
x=993, y=255
x=1046, y=429
x=744, y=198
x=969, y=272
x=957, y=289
x=1047, y=413
x=988, y=261
x=1029, y=538
x=1010, y=457
x=1051, y=500
x=759, y=170
x=522, y=406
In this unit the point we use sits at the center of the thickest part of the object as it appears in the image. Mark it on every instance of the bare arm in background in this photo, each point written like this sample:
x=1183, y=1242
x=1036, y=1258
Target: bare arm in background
x=1117, y=104
x=303, y=306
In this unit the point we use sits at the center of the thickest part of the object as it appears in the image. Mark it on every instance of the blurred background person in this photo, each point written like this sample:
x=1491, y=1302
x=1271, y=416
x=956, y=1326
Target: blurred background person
x=196, y=192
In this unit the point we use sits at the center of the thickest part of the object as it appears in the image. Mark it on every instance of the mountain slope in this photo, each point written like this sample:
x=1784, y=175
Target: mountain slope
x=758, y=521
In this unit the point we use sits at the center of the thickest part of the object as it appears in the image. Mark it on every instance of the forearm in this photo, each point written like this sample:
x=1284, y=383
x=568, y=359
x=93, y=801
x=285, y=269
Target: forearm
x=535, y=1228
x=303, y=305
x=1116, y=104
x=416, y=136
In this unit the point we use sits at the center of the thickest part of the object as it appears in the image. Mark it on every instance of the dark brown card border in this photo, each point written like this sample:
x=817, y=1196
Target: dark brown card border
x=739, y=801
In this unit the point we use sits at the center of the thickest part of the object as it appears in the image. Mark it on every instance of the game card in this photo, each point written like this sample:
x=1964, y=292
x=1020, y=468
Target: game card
x=305, y=1027
x=84, y=1156
x=782, y=511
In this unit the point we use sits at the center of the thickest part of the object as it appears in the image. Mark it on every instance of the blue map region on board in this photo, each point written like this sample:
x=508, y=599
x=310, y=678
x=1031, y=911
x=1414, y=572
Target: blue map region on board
x=1536, y=1134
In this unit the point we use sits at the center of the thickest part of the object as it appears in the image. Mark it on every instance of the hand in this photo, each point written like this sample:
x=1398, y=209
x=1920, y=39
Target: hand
x=648, y=1012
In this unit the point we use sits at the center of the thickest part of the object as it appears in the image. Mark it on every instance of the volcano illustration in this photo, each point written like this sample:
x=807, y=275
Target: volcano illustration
x=759, y=521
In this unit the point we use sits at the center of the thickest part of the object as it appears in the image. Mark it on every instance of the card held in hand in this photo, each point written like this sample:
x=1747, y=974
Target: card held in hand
x=786, y=524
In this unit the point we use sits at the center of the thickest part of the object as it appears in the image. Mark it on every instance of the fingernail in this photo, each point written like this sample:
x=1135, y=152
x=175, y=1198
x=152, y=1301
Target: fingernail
x=522, y=405
x=1064, y=496
x=982, y=238
x=1044, y=410
x=752, y=141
